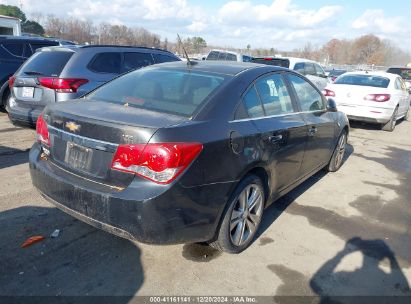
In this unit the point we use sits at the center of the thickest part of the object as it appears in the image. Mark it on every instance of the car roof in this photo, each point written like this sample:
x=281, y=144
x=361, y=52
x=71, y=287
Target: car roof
x=76, y=48
x=231, y=68
x=10, y=38
x=391, y=76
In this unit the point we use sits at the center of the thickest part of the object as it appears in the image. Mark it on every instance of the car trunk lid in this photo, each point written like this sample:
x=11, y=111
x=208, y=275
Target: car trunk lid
x=85, y=144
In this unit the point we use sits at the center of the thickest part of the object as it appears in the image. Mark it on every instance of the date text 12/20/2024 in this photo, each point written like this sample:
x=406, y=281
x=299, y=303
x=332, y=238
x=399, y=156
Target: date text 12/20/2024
x=204, y=299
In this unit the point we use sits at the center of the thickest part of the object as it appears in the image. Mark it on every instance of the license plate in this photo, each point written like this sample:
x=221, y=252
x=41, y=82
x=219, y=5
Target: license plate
x=27, y=92
x=78, y=157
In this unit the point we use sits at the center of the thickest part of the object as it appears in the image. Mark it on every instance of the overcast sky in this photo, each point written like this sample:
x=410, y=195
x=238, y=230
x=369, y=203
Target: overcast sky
x=282, y=24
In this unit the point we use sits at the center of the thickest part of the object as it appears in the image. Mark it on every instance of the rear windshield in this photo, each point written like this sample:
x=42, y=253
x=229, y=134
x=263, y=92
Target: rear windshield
x=161, y=90
x=364, y=80
x=404, y=73
x=285, y=63
x=46, y=63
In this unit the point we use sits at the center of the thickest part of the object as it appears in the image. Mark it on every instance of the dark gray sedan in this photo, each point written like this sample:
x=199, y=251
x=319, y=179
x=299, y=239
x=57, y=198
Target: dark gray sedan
x=179, y=153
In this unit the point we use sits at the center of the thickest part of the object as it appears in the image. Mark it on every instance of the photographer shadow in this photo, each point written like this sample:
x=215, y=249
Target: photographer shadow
x=379, y=274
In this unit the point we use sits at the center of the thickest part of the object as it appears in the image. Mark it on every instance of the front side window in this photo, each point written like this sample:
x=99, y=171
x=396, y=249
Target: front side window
x=274, y=95
x=213, y=55
x=231, y=57
x=308, y=97
x=300, y=67
x=319, y=70
x=309, y=69
x=162, y=90
x=135, y=60
x=109, y=62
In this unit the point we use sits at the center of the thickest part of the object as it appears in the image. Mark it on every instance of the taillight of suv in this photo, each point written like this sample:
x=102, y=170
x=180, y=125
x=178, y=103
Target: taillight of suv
x=62, y=85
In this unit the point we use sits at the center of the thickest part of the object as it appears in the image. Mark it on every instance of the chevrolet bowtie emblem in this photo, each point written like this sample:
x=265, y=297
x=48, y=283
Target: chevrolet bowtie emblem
x=72, y=126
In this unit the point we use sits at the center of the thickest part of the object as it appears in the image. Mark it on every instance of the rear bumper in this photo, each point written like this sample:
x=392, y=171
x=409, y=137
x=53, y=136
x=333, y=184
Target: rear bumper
x=23, y=115
x=143, y=211
x=367, y=114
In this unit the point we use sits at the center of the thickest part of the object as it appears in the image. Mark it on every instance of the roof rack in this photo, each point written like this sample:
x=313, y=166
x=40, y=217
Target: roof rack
x=124, y=46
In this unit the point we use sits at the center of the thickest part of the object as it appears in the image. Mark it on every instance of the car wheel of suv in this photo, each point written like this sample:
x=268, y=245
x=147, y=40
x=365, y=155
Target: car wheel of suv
x=338, y=155
x=390, y=125
x=243, y=216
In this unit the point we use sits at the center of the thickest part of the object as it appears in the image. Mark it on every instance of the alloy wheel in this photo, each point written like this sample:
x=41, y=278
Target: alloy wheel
x=246, y=214
x=340, y=150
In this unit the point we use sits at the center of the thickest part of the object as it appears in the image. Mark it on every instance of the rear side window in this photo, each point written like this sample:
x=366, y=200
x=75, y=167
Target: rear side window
x=160, y=58
x=46, y=63
x=15, y=49
x=274, y=95
x=109, y=62
x=213, y=55
x=252, y=103
x=162, y=90
x=308, y=97
x=363, y=80
x=231, y=57
x=222, y=56
x=135, y=60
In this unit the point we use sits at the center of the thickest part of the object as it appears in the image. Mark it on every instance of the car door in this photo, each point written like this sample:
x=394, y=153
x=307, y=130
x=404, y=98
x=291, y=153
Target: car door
x=405, y=96
x=283, y=130
x=319, y=124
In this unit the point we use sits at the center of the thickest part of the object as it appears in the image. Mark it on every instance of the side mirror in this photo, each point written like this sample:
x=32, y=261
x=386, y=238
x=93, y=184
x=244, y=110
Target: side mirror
x=331, y=105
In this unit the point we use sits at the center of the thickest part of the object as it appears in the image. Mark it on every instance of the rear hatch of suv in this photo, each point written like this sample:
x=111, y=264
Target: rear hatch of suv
x=37, y=81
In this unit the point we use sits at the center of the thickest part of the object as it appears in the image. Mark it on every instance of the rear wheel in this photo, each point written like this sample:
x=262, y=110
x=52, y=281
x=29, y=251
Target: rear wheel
x=338, y=155
x=242, y=218
x=390, y=125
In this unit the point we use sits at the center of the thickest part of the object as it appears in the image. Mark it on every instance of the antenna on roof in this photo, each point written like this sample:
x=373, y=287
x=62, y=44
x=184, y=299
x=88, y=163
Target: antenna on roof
x=189, y=62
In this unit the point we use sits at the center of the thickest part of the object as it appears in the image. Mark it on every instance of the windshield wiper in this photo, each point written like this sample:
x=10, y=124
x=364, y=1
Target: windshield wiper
x=32, y=73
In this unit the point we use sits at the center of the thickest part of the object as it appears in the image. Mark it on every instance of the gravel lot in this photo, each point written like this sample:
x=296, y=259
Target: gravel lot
x=344, y=233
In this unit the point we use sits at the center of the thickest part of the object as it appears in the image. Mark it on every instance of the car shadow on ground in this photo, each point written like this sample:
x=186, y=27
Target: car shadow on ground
x=273, y=212
x=379, y=274
x=369, y=126
x=10, y=157
x=81, y=261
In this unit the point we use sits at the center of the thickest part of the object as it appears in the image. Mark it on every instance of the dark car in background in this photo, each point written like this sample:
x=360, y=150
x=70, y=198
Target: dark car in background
x=14, y=50
x=332, y=74
x=55, y=74
x=182, y=153
x=404, y=72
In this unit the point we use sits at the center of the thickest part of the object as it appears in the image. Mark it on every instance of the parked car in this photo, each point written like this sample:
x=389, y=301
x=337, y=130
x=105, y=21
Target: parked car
x=404, y=72
x=57, y=74
x=155, y=156
x=375, y=97
x=311, y=69
x=334, y=73
x=227, y=56
x=14, y=50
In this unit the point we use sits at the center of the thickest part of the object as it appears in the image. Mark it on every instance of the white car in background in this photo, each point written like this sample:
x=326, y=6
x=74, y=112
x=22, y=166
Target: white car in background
x=310, y=69
x=375, y=97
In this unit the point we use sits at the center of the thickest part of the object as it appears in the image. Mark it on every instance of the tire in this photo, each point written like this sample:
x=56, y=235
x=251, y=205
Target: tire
x=338, y=155
x=390, y=125
x=407, y=115
x=240, y=222
x=5, y=100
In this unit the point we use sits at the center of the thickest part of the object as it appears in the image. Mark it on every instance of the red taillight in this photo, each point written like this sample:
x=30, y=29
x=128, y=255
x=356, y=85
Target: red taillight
x=62, y=85
x=378, y=97
x=328, y=93
x=11, y=81
x=42, y=131
x=268, y=58
x=160, y=162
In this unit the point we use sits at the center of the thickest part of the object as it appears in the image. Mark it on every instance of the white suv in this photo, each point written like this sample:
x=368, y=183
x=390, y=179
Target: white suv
x=311, y=69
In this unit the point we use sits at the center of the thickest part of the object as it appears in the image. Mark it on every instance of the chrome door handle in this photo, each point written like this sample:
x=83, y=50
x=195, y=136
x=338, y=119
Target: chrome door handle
x=275, y=138
x=312, y=131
